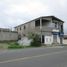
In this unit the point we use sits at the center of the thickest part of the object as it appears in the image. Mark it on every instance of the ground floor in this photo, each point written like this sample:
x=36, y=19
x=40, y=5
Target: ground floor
x=54, y=38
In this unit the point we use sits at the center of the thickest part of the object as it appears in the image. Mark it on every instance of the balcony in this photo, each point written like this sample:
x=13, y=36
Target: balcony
x=46, y=29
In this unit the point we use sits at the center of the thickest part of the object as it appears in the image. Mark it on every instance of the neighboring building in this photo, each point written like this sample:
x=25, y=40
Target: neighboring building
x=65, y=40
x=8, y=35
x=49, y=28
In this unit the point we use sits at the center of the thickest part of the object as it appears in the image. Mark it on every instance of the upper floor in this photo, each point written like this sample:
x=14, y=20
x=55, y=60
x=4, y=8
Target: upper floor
x=47, y=23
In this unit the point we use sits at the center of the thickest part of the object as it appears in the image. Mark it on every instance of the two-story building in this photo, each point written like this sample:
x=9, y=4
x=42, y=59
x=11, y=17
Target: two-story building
x=50, y=29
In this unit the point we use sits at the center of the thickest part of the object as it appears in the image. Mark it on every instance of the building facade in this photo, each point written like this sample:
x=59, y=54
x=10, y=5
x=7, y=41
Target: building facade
x=50, y=29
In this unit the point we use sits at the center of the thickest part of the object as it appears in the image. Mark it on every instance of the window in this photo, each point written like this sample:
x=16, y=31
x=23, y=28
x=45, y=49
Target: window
x=61, y=28
x=55, y=25
x=20, y=28
x=24, y=27
x=37, y=23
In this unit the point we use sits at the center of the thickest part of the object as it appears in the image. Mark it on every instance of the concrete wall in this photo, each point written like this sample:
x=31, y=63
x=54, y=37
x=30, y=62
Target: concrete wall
x=29, y=27
x=8, y=36
x=65, y=42
x=58, y=39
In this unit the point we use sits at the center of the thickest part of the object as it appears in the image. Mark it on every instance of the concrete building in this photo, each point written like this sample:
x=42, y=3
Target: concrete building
x=50, y=29
x=8, y=35
x=65, y=40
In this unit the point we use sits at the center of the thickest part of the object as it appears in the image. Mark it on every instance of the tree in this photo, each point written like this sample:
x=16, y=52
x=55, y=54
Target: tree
x=36, y=42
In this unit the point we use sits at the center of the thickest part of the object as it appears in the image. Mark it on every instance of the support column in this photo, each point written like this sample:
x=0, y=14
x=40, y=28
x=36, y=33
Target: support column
x=41, y=29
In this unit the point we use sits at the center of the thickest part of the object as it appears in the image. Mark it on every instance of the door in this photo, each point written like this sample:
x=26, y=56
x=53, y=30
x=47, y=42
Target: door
x=43, y=39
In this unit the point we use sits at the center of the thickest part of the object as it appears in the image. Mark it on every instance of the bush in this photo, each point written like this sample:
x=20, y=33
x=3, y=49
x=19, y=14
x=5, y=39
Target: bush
x=36, y=41
x=14, y=46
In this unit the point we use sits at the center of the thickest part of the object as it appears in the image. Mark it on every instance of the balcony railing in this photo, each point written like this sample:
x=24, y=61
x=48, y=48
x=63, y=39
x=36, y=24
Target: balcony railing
x=46, y=29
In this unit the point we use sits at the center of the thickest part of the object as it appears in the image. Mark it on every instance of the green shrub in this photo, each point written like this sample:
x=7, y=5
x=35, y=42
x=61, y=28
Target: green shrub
x=36, y=41
x=14, y=46
x=15, y=43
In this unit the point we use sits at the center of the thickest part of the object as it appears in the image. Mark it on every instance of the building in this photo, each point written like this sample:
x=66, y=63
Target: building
x=8, y=35
x=50, y=29
x=65, y=40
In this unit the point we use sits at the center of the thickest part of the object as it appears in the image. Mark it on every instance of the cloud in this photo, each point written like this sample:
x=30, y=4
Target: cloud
x=15, y=12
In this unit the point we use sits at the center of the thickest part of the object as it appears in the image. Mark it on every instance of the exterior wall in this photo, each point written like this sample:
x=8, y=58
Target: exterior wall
x=48, y=40
x=8, y=36
x=58, y=39
x=30, y=27
x=65, y=42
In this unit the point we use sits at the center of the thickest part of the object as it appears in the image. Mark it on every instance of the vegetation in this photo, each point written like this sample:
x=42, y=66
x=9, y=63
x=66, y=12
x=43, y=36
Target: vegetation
x=14, y=46
x=36, y=40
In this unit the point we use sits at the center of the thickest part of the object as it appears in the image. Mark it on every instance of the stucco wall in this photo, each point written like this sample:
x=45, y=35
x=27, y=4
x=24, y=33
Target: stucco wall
x=8, y=36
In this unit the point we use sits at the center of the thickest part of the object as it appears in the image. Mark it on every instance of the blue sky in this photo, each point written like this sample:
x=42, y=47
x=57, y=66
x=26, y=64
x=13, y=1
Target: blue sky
x=15, y=12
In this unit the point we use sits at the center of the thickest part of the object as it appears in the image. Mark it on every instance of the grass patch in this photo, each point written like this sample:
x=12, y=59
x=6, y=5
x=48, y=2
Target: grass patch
x=3, y=45
x=14, y=46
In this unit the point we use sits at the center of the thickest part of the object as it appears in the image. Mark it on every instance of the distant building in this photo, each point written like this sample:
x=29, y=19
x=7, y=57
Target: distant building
x=8, y=35
x=65, y=40
x=50, y=29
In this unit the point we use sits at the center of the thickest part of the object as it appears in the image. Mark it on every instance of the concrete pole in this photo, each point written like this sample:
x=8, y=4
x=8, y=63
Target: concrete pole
x=41, y=28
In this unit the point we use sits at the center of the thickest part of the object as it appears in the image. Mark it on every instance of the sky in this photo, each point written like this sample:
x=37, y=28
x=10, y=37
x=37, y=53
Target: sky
x=15, y=12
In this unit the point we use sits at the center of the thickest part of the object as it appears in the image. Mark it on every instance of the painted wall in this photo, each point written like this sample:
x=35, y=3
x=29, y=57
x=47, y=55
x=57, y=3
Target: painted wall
x=58, y=39
x=48, y=40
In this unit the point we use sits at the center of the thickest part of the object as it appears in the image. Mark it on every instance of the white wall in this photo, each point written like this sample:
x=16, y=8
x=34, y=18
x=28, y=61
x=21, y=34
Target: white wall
x=58, y=39
x=65, y=41
x=48, y=40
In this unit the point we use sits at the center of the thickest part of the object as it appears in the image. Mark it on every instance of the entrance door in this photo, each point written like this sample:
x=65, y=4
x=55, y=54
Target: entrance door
x=43, y=38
